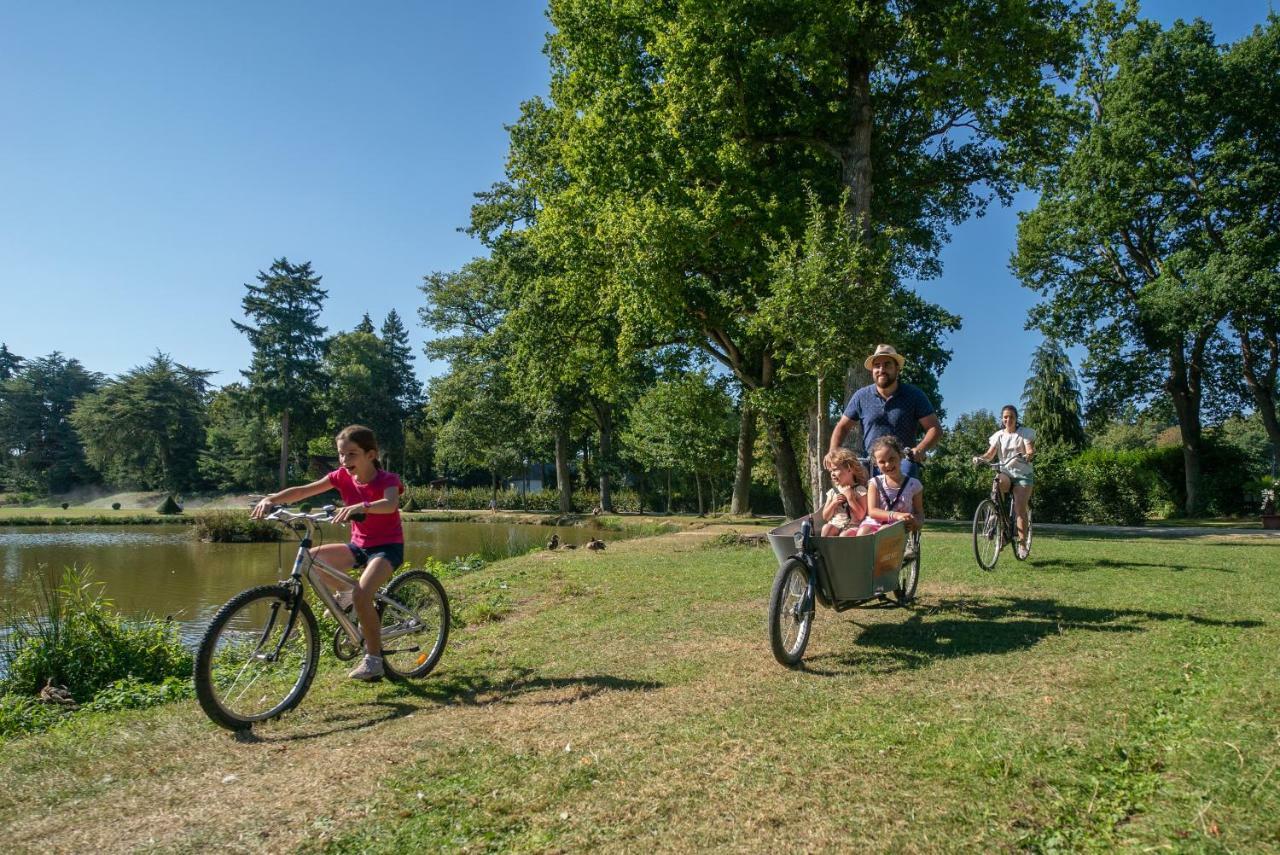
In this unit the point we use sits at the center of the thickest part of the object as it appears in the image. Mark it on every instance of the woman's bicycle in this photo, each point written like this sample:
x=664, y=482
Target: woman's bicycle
x=995, y=526
x=259, y=655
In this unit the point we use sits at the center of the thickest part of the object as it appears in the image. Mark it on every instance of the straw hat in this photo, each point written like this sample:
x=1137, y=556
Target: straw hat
x=885, y=350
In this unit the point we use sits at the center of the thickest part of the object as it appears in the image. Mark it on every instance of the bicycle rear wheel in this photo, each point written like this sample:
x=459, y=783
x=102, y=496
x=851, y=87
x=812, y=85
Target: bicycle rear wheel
x=788, y=625
x=1022, y=549
x=258, y=657
x=988, y=534
x=415, y=624
x=909, y=573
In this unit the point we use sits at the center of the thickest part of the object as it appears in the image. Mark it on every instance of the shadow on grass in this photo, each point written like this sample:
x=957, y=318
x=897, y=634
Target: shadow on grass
x=479, y=690
x=991, y=626
x=1082, y=565
x=456, y=689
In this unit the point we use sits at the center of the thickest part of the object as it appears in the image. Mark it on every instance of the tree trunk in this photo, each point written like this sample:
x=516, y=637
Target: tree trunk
x=790, y=487
x=741, y=503
x=819, y=439
x=1261, y=380
x=697, y=480
x=668, y=489
x=604, y=418
x=1184, y=389
x=564, y=481
x=855, y=158
x=284, y=449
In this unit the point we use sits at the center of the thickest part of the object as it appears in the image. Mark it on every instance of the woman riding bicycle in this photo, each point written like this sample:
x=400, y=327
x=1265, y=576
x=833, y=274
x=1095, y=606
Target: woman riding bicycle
x=1014, y=445
x=377, y=541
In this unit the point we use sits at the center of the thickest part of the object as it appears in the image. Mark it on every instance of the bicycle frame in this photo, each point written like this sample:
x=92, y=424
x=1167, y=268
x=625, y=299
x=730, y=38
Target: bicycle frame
x=315, y=572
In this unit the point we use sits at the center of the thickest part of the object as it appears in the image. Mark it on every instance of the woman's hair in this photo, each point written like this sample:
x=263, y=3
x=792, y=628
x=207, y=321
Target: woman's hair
x=363, y=437
x=845, y=457
x=889, y=441
x=1011, y=408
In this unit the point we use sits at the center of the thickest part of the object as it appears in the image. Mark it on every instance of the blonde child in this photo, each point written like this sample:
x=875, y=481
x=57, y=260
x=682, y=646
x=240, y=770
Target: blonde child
x=377, y=541
x=845, y=506
x=892, y=496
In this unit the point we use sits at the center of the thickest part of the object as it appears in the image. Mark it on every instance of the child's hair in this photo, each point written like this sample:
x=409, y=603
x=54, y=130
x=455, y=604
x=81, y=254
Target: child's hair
x=363, y=437
x=891, y=442
x=1012, y=409
x=845, y=457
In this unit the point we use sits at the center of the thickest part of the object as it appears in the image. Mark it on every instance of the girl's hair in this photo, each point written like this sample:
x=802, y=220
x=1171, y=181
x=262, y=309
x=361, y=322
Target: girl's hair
x=1011, y=408
x=845, y=457
x=891, y=442
x=363, y=437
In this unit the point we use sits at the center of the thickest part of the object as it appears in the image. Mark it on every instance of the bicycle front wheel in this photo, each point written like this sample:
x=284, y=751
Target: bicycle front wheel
x=789, y=624
x=1022, y=548
x=415, y=624
x=258, y=657
x=988, y=534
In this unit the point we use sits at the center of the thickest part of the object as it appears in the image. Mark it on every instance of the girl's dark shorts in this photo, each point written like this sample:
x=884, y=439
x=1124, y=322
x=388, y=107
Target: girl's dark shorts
x=393, y=552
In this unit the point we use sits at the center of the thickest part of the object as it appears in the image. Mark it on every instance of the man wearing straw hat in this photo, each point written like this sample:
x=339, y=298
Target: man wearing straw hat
x=890, y=407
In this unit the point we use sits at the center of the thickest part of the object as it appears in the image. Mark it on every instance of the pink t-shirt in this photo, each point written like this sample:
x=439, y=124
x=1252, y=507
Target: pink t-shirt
x=375, y=529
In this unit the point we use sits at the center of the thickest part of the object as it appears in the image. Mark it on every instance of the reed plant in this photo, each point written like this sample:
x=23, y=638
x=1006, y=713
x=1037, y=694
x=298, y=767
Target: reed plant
x=234, y=527
x=73, y=637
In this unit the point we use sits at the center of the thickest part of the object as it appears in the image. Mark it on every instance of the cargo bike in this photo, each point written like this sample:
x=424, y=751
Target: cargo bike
x=837, y=573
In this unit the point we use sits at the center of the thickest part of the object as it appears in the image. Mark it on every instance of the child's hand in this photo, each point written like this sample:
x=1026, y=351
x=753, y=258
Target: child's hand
x=343, y=513
x=261, y=509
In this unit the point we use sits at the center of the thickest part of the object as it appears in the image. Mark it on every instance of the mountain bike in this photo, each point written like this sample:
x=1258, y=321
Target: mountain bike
x=995, y=526
x=259, y=655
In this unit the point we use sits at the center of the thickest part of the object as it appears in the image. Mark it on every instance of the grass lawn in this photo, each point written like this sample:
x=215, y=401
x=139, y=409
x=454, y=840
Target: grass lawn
x=1107, y=694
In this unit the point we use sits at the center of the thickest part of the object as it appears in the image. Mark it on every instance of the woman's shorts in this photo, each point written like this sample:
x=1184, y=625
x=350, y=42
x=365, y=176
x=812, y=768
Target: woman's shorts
x=393, y=552
x=1027, y=480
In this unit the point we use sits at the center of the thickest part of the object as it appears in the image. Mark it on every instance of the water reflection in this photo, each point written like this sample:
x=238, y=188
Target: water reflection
x=162, y=571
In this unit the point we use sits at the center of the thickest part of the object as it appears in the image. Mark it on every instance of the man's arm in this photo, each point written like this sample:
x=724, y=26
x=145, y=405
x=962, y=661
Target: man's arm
x=840, y=431
x=932, y=433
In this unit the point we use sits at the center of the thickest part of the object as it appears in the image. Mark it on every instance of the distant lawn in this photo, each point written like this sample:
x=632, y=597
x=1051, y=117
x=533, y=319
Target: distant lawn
x=1108, y=694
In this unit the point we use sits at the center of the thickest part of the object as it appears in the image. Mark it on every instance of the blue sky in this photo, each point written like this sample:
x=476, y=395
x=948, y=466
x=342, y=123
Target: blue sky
x=155, y=156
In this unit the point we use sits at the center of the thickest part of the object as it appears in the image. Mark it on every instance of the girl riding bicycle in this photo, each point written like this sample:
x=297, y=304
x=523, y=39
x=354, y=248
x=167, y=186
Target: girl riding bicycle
x=893, y=495
x=1014, y=444
x=377, y=541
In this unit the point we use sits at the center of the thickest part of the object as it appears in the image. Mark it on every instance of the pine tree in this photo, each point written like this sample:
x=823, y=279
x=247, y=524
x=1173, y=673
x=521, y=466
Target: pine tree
x=10, y=362
x=1051, y=397
x=405, y=388
x=288, y=345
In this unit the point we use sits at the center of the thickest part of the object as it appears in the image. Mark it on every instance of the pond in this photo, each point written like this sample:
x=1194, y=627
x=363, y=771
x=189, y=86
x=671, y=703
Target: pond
x=162, y=570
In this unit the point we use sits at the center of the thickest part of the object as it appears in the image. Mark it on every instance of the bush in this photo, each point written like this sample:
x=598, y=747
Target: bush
x=130, y=693
x=65, y=505
x=115, y=506
x=234, y=527
x=79, y=641
x=25, y=714
x=169, y=506
x=1114, y=487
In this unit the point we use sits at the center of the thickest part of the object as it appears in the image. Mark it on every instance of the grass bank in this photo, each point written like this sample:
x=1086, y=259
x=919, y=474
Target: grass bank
x=1107, y=694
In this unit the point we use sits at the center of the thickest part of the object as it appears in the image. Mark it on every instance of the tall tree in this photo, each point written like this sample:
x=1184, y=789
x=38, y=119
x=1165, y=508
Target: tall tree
x=691, y=130
x=1051, y=397
x=43, y=449
x=146, y=428
x=286, y=372
x=10, y=362
x=402, y=381
x=240, y=442
x=1126, y=241
x=1249, y=239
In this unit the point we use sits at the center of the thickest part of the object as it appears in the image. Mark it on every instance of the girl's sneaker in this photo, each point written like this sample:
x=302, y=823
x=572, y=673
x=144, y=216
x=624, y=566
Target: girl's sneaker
x=370, y=668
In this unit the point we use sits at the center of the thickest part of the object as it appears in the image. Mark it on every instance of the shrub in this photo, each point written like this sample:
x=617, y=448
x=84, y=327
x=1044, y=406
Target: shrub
x=79, y=641
x=169, y=506
x=25, y=714
x=1114, y=487
x=65, y=505
x=130, y=693
x=234, y=527
x=115, y=506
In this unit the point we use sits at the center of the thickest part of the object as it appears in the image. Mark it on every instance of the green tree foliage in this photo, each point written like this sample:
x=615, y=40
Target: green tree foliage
x=1249, y=238
x=10, y=362
x=241, y=442
x=687, y=425
x=1133, y=227
x=1051, y=398
x=362, y=390
x=286, y=373
x=145, y=428
x=42, y=450
x=689, y=131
